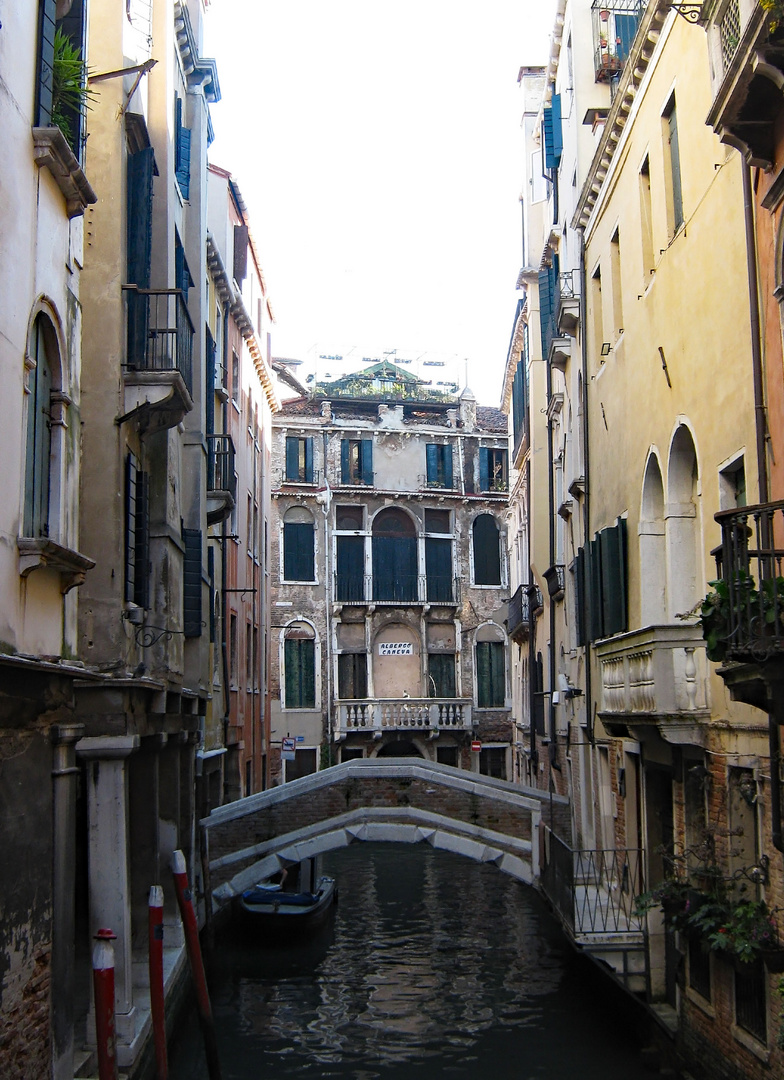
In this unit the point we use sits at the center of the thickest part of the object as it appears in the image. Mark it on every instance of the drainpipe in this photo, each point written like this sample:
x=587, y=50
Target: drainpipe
x=774, y=689
x=586, y=475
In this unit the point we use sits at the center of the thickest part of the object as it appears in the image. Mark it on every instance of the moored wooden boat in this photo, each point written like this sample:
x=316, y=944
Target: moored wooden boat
x=269, y=908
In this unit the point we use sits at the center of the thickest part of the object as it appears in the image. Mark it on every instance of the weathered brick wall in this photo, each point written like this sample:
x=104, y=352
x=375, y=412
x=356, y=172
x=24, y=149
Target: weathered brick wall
x=352, y=793
x=24, y=1023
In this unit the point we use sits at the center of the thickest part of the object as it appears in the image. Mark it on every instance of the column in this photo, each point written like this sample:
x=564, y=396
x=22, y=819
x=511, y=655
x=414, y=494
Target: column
x=64, y=778
x=109, y=885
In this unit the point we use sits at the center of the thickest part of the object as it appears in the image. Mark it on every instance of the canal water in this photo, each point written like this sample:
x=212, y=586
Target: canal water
x=433, y=965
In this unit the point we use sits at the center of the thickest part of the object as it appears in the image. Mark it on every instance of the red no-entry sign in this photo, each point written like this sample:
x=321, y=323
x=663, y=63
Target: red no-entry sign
x=476, y=746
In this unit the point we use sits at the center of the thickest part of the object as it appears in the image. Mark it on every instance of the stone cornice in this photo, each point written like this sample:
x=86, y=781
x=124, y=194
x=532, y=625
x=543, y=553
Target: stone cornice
x=51, y=151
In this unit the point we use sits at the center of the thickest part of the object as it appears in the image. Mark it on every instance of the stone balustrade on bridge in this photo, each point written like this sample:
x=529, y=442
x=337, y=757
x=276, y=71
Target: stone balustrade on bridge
x=406, y=800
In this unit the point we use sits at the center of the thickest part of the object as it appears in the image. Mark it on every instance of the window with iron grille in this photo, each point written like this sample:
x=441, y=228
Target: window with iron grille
x=751, y=1010
x=299, y=459
x=729, y=31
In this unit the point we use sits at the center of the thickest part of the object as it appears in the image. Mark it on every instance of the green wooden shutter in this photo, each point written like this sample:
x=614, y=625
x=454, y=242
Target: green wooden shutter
x=441, y=669
x=308, y=460
x=192, y=582
x=595, y=614
x=139, y=251
x=291, y=662
x=484, y=468
x=483, y=674
x=39, y=441
x=292, y=458
x=345, y=461
x=497, y=674
x=182, y=150
x=351, y=568
x=45, y=74
x=308, y=674
x=487, y=555
x=367, y=461
x=580, y=591
x=209, y=378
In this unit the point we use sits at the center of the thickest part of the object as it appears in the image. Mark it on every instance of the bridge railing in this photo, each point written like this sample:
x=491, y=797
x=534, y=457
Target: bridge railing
x=411, y=714
x=593, y=891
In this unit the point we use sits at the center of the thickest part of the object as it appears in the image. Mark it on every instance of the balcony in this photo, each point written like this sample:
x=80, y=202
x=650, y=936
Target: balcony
x=359, y=588
x=567, y=307
x=519, y=618
x=556, y=582
x=157, y=373
x=615, y=23
x=377, y=716
x=656, y=675
x=221, y=479
x=748, y=621
x=593, y=894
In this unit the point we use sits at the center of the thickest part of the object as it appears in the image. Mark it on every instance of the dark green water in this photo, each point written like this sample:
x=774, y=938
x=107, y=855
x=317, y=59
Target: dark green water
x=432, y=966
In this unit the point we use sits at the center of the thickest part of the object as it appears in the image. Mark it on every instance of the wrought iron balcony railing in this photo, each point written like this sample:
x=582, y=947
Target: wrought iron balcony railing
x=377, y=715
x=159, y=332
x=359, y=588
x=220, y=464
x=593, y=891
x=555, y=577
x=519, y=618
x=750, y=563
x=614, y=27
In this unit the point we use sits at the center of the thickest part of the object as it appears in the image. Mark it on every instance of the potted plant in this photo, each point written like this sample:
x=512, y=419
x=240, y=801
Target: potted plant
x=70, y=92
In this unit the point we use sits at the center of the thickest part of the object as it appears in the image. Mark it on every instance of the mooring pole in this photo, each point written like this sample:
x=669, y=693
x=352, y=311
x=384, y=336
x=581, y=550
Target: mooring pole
x=157, y=1006
x=193, y=945
x=103, y=989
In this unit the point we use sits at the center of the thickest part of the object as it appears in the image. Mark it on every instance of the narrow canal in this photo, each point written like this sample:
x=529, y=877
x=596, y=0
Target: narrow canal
x=432, y=965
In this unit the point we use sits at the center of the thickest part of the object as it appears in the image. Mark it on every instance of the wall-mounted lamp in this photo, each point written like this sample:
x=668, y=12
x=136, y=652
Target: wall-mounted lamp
x=606, y=348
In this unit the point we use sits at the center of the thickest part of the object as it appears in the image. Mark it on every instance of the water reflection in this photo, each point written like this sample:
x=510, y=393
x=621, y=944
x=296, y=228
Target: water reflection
x=433, y=964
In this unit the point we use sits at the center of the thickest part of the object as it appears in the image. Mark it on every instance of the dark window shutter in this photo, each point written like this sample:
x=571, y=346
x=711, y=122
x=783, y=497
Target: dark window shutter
x=211, y=576
x=482, y=674
x=142, y=542
x=441, y=669
x=484, y=468
x=182, y=151
x=192, y=582
x=438, y=570
x=487, y=555
x=490, y=674
x=130, y=528
x=613, y=556
x=298, y=551
x=45, y=73
x=352, y=675
x=345, y=462
x=595, y=611
x=300, y=663
x=432, y=463
x=291, y=660
x=240, y=253
x=367, y=461
x=580, y=593
x=138, y=250
x=675, y=162
x=308, y=460
x=553, y=136
x=308, y=673
x=351, y=568
x=395, y=568
x=538, y=700
x=292, y=458
x=447, y=466
x=39, y=441
x=497, y=674
x=545, y=309
x=210, y=385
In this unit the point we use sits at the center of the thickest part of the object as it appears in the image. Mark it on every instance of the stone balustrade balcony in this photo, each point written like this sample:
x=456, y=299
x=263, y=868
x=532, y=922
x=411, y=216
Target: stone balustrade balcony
x=658, y=674
x=379, y=715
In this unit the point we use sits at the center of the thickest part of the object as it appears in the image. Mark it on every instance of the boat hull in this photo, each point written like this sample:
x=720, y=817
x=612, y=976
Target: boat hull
x=269, y=912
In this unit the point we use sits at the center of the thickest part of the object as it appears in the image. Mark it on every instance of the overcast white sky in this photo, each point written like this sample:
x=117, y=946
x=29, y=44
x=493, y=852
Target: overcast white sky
x=378, y=148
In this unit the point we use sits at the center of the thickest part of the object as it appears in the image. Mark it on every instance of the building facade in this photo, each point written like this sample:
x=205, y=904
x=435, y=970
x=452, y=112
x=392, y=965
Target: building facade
x=389, y=574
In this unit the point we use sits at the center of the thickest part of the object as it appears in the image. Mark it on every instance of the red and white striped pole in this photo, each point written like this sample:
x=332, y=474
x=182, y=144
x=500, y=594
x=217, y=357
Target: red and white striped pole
x=156, y=981
x=103, y=989
x=193, y=945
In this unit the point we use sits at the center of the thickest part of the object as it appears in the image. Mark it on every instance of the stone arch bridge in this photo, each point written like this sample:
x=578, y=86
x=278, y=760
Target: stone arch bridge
x=399, y=800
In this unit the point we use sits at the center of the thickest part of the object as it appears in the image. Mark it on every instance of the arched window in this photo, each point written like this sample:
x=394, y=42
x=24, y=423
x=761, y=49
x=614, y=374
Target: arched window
x=653, y=573
x=682, y=514
x=43, y=353
x=299, y=663
x=298, y=545
x=394, y=557
x=490, y=667
x=487, y=551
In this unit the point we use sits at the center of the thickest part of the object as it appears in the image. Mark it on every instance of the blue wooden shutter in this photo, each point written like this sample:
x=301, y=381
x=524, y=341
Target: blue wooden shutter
x=432, y=463
x=182, y=150
x=367, y=461
x=546, y=300
x=487, y=556
x=298, y=551
x=438, y=570
x=138, y=250
x=292, y=458
x=192, y=582
x=345, y=461
x=447, y=465
x=553, y=135
x=45, y=74
x=308, y=460
x=625, y=29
